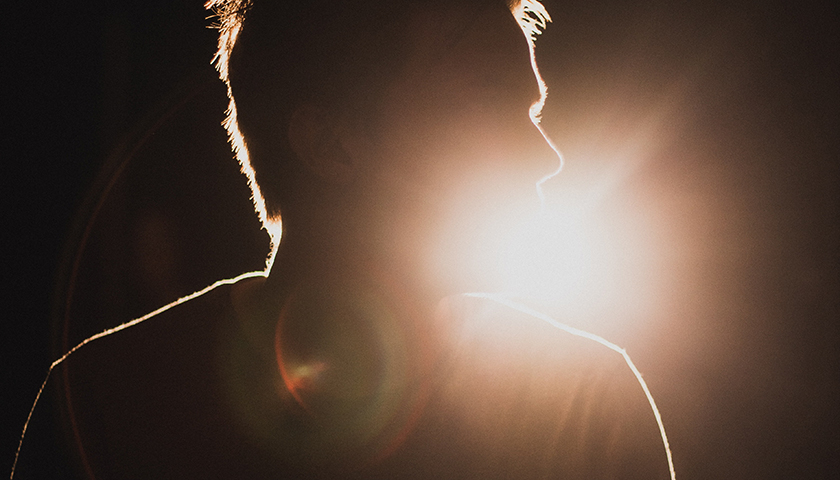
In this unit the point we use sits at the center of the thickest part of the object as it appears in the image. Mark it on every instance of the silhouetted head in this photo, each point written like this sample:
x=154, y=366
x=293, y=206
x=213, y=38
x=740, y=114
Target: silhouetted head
x=383, y=124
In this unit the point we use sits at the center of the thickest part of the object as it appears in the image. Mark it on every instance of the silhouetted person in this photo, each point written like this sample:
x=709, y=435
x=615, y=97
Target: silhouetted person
x=383, y=133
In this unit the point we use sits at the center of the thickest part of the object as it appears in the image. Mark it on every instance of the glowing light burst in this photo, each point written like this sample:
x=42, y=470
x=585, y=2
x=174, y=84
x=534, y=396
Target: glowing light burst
x=553, y=255
x=593, y=255
x=584, y=256
x=590, y=255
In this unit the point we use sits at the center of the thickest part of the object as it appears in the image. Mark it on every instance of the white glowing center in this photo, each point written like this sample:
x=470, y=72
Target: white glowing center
x=551, y=257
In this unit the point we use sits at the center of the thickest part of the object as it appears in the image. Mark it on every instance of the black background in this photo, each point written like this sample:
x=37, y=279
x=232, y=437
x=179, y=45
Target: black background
x=735, y=106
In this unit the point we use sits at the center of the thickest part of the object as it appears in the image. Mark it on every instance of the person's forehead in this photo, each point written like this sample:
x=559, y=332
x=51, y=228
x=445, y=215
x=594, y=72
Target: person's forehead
x=485, y=41
x=493, y=40
x=493, y=29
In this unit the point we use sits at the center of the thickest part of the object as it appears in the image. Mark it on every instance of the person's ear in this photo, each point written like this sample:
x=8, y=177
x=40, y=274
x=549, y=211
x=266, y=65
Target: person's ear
x=317, y=140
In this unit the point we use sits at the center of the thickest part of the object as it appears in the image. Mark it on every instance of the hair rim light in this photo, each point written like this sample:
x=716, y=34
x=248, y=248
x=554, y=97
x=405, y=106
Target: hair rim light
x=531, y=16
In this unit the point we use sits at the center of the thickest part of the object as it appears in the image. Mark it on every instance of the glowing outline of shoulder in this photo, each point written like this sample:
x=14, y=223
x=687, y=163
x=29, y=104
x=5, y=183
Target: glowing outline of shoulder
x=110, y=331
x=502, y=300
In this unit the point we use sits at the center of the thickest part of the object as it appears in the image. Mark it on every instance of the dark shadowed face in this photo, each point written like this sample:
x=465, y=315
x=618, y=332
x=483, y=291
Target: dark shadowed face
x=457, y=155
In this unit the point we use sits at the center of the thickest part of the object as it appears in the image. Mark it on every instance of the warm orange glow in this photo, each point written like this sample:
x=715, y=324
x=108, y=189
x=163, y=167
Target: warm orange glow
x=594, y=256
x=586, y=255
x=580, y=254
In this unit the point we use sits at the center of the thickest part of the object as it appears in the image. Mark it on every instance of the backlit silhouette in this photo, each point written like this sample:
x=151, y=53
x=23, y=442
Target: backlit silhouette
x=378, y=138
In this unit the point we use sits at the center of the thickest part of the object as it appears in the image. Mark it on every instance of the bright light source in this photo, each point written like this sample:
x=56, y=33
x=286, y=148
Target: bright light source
x=592, y=256
x=553, y=255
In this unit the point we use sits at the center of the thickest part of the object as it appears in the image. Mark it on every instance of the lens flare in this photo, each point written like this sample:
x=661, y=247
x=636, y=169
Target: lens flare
x=356, y=364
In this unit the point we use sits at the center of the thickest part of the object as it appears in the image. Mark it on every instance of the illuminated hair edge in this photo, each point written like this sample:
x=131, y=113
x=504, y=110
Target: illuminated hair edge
x=230, y=15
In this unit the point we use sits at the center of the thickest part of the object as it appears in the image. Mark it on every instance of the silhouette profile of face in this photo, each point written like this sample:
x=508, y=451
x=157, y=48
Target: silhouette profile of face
x=456, y=153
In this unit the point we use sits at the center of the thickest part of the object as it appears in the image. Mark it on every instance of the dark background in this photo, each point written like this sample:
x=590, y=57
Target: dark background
x=728, y=115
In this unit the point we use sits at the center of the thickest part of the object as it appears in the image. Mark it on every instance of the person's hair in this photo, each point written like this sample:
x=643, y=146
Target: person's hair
x=274, y=55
